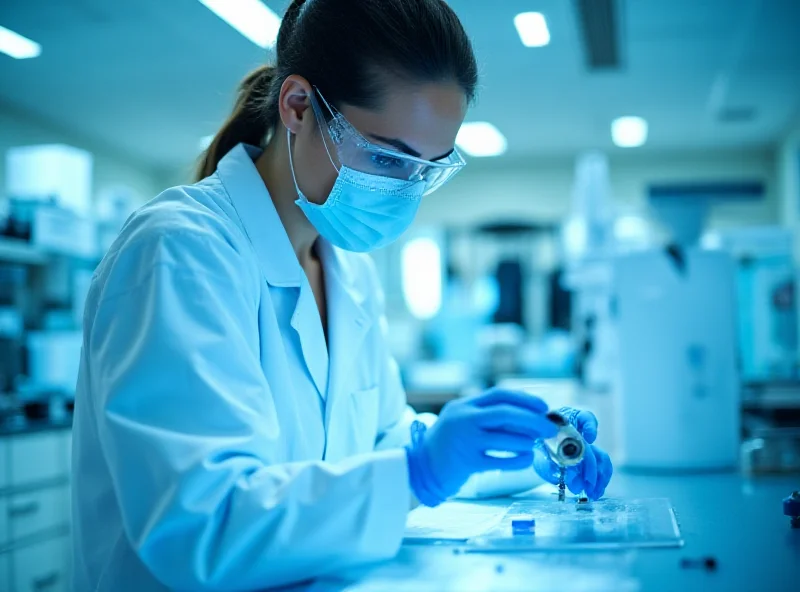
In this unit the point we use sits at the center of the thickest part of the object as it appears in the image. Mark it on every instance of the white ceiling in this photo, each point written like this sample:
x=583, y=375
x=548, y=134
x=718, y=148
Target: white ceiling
x=150, y=77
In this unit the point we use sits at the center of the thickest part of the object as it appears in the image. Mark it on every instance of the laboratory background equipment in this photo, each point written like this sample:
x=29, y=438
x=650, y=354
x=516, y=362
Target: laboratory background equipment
x=766, y=279
x=678, y=388
x=48, y=250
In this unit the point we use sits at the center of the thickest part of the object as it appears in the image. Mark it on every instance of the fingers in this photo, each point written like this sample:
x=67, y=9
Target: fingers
x=587, y=426
x=584, y=476
x=521, y=461
x=495, y=440
x=588, y=468
x=508, y=418
x=574, y=481
x=604, y=471
x=497, y=396
x=583, y=421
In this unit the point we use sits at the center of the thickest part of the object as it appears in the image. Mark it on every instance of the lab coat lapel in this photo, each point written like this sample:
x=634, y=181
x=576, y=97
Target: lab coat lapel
x=277, y=259
x=349, y=321
x=306, y=321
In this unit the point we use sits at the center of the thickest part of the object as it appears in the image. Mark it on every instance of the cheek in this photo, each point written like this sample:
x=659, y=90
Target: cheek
x=315, y=173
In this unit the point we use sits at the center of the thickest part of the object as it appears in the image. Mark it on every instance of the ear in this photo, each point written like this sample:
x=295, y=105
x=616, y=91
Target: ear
x=294, y=103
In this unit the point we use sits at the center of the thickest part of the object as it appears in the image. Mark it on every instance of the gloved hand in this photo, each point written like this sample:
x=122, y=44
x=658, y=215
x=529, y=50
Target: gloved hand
x=593, y=473
x=445, y=456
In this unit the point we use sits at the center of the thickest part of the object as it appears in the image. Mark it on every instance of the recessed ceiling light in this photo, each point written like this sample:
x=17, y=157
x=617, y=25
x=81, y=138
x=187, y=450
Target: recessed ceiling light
x=629, y=132
x=252, y=18
x=532, y=29
x=18, y=47
x=481, y=138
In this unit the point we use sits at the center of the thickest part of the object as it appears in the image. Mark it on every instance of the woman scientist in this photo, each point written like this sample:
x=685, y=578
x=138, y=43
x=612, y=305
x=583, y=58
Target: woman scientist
x=239, y=421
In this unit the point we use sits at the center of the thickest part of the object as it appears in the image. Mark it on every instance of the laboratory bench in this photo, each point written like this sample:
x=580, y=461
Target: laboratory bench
x=734, y=520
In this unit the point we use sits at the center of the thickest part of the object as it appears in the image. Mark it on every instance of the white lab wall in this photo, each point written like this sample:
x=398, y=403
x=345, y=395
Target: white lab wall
x=789, y=187
x=789, y=177
x=541, y=189
x=110, y=169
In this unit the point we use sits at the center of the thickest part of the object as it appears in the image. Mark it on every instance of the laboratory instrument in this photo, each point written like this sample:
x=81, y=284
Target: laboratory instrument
x=677, y=381
x=677, y=384
x=791, y=508
x=566, y=449
x=706, y=563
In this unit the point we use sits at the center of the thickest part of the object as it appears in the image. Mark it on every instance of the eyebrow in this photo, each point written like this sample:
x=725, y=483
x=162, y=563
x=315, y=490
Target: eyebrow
x=403, y=147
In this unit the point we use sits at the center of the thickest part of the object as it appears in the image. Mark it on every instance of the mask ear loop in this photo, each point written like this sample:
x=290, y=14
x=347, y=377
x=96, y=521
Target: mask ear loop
x=324, y=143
x=291, y=165
x=317, y=117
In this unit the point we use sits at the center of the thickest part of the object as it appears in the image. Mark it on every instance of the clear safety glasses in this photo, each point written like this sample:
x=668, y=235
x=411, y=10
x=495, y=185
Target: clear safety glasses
x=358, y=153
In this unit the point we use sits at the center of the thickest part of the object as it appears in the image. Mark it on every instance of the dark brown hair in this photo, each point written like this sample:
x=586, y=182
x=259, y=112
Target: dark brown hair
x=346, y=48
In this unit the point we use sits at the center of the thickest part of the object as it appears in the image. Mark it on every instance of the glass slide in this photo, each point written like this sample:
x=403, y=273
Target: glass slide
x=607, y=524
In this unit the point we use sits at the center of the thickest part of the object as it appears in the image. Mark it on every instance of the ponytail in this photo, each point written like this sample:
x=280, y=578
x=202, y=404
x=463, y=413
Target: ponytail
x=249, y=123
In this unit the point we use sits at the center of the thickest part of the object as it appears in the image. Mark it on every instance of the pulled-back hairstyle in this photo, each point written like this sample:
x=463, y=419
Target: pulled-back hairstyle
x=347, y=48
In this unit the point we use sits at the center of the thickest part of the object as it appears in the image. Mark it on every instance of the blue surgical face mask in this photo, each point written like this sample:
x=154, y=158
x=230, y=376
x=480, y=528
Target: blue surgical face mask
x=363, y=212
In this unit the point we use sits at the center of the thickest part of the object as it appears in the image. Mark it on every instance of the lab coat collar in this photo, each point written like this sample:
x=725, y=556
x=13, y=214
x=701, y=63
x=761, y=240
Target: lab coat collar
x=258, y=217
x=340, y=275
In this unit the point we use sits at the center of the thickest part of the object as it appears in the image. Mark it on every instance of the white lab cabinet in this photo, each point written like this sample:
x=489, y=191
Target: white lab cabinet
x=5, y=571
x=4, y=535
x=66, y=451
x=36, y=458
x=41, y=567
x=35, y=511
x=3, y=464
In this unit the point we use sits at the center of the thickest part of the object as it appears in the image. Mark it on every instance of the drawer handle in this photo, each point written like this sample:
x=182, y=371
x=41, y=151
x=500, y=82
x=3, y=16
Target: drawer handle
x=23, y=510
x=46, y=582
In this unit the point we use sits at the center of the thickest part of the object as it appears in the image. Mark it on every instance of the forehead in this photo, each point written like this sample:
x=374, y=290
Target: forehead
x=426, y=117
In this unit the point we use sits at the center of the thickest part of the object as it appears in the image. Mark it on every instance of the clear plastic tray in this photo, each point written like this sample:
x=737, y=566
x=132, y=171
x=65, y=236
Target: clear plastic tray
x=607, y=524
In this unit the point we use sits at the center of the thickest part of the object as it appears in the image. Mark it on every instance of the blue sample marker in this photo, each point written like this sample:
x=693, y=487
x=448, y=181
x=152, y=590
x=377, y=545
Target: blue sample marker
x=523, y=526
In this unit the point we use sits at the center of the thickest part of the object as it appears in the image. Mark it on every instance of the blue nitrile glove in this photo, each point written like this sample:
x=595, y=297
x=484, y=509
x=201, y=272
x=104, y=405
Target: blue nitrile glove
x=441, y=459
x=593, y=473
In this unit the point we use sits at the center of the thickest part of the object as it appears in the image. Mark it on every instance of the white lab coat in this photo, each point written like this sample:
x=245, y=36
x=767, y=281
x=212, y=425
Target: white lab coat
x=218, y=445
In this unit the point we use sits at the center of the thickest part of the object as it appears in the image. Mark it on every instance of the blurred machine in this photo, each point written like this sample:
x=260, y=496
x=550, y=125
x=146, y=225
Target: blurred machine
x=766, y=282
x=587, y=244
x=48, y=250
x=767, y=327
x=677, y=386
x=658, y=325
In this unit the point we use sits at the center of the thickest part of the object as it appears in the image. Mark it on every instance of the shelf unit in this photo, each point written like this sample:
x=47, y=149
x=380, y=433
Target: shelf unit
x=19, y=252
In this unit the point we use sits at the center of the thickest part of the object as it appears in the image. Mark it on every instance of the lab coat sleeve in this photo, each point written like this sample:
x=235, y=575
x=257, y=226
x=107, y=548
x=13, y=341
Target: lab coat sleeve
x=189, y=431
